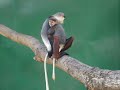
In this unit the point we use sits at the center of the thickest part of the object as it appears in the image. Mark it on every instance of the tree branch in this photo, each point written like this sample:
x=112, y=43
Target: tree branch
x=93, y=78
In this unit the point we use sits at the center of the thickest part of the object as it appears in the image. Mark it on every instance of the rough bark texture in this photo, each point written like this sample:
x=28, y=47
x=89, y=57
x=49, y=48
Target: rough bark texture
x=93, y=78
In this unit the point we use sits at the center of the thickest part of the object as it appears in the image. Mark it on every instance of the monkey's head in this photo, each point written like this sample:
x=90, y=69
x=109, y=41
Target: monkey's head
x=52, y=21
x=59, y=17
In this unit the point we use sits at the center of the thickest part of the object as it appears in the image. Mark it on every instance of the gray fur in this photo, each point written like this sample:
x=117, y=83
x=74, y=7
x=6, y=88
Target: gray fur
x=59, y=31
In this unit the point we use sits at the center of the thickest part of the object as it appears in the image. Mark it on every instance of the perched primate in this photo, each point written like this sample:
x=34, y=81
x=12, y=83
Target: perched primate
x=54, y=38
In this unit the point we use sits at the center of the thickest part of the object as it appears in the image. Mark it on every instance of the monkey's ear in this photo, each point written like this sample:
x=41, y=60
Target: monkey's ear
x=50, y=16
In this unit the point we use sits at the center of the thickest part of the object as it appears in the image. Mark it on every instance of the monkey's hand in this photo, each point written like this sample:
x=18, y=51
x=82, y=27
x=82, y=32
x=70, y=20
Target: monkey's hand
x=49, y=54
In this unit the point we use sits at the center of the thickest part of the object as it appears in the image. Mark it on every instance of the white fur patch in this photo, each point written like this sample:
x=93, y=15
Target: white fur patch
x=47, y=43
x=60, y=20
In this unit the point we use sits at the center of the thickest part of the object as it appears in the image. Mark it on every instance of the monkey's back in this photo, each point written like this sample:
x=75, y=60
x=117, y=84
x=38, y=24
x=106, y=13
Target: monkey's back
x=59, y=31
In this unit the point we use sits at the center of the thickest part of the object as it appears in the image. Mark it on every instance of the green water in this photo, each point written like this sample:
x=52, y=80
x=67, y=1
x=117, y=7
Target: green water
x=95, y=25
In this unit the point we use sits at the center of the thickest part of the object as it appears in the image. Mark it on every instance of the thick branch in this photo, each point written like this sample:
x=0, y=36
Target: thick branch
x=92, y=77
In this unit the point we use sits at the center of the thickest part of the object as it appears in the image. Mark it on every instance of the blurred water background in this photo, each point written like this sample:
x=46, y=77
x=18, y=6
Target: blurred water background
x=95, y=25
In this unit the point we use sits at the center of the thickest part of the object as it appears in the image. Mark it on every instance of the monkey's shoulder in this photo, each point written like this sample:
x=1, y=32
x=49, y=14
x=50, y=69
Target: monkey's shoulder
x=59, y=27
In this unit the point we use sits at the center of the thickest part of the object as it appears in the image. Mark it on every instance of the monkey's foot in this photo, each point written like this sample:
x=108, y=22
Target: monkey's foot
x=63, y=53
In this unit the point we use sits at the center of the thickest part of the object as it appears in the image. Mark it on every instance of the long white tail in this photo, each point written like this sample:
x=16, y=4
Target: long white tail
x=45, y=70
x=53, y=73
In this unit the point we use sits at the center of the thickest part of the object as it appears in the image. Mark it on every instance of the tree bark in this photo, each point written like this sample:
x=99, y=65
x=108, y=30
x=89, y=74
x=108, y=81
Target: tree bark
x=93, y=78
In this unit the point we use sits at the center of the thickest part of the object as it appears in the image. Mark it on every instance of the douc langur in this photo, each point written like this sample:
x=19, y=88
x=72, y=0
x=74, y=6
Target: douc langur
x=54, y=38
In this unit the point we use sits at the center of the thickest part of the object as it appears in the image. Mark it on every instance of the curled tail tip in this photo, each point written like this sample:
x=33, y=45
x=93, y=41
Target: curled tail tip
x=53, y=78
x=47, y=89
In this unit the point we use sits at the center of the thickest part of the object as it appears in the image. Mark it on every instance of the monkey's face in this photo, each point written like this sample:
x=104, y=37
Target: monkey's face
x=60, y=19
x=52, y=22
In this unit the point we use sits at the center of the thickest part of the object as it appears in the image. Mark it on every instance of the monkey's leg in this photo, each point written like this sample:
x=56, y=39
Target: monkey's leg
x=68, y=44
x=53, y=73
x=45, y=70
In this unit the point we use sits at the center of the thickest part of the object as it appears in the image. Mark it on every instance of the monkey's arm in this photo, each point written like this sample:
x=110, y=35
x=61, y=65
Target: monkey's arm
x=44, y=37
x=56, y=54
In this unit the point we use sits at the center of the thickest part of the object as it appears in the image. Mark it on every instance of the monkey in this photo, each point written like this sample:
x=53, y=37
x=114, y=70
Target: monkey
x=55, y=22
x=54, y=38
